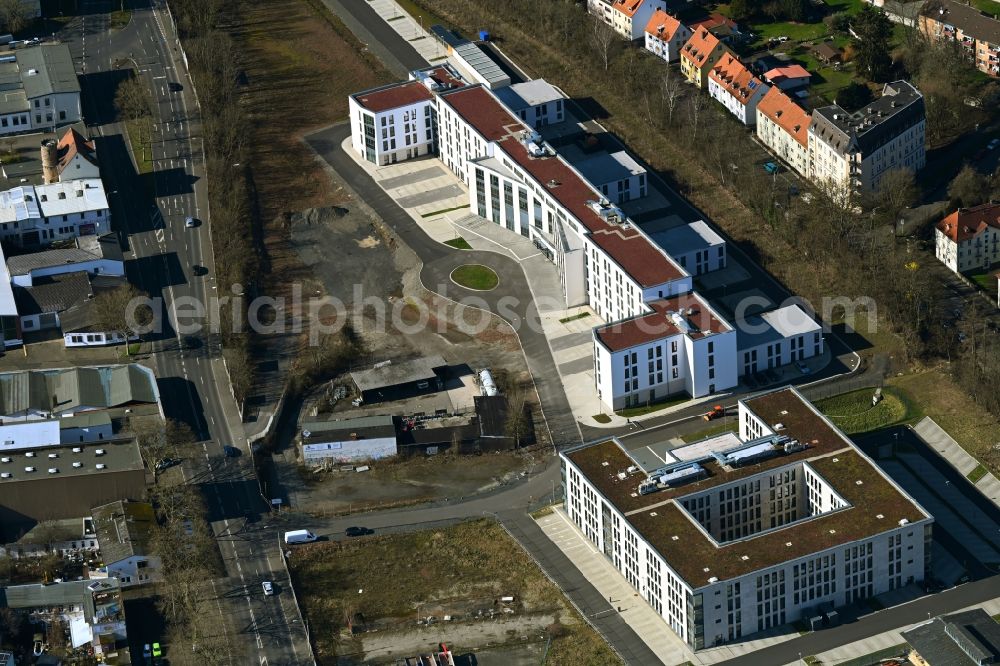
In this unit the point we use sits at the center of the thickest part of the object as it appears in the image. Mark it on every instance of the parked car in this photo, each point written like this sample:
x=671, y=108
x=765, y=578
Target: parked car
x=190, y=222
x=268, y=588
x=157, y=652
x=803, y=368
x=993, y=144
x=358, y=531
x=716, y=412
x=771, y=167
x=299, y=536
x=231, y=451
x=166, y=463
x=147, y=652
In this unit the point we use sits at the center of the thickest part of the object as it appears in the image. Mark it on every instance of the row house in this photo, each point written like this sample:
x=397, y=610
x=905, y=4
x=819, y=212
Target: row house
x=968, y=240
x=733, y=85
x=665, y=36
x=629, y=18
x=977, y=34
x=783, y=126
x=699, y=55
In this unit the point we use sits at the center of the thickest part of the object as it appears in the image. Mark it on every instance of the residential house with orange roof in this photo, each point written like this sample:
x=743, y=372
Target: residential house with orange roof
x=75, y=158
x=665, y=36
x=783, y=126
x=733, y=85
x=630, y=17
x=968, y=240
x=788, y=77
x=699, y=55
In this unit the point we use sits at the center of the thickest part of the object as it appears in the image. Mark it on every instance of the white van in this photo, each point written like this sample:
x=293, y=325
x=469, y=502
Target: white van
x=299, y=536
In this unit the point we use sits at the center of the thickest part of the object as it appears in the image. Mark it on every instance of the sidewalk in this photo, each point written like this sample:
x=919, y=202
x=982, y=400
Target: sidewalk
x=883, y=641
x=960, y=459
x=411, y=30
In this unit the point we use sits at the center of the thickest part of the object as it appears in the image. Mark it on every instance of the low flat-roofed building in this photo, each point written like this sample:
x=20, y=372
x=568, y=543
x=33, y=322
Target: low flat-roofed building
x=475, y=64
x=788, y=77
x=391, y=380
x=328, y=441
x=124, y=529
x=785, y=335
x=733, y=540
x=66, y=537
x=696, y=247
x=95, y=255
x=55, y=482
x=618, y=176
x=536, y=102
x=967, y=638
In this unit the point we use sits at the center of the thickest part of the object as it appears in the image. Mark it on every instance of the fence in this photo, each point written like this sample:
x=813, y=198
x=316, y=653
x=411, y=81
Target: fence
x=295, y=598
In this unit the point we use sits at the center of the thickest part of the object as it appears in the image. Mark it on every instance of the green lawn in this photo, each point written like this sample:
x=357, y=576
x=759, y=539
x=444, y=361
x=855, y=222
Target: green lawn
x=475, y=276
x=987, y=281
x=601, y=418
x=424, y=16
x=977, y=473
x=459, y=244
x=435, y=213
x=849, y=6
x=120, y=19
x=826, y=81
x=854, y=413
x=725, y=425
x=988, y=7
x=796, y=32
x=143, y=160
x=578, y=315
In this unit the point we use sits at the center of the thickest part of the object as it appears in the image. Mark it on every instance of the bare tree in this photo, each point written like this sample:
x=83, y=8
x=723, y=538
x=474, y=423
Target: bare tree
x=121, y=311
x=897, y=190
x=671, y=89
x=698, y=104
x=517, y=424
x=603, y=38
x=151, y=437
x=15, y=15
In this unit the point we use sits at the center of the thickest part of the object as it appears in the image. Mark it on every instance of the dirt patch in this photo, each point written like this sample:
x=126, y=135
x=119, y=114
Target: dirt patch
x=463, y=572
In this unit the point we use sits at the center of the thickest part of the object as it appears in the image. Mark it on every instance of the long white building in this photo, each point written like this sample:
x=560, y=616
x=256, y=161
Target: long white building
x=735, y=535
x=33, y=216
x=572, y=213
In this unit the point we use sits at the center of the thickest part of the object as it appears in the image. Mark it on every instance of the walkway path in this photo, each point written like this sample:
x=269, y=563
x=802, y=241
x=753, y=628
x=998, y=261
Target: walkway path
x=950, y=450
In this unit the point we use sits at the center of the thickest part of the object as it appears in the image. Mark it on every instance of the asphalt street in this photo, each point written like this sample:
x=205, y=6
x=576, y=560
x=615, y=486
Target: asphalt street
x=149, y=214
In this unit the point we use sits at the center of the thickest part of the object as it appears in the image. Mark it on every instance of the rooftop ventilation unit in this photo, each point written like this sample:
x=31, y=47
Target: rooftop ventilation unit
x=532, y=142
x=671, y=477
x=607, y=212
x=678, y=320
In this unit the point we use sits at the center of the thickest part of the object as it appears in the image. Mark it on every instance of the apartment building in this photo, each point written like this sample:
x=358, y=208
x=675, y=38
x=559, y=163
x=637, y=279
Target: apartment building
x=850, y=152
x=665, y=36
x=630, y=17
x=396, y=121
x=699, y=55
x=783, y=126
x=695, y=246
x=975, y=33
x=34, y=216
x=968, y=240
x=733, y=85
x=785, y=335
x=738, y=534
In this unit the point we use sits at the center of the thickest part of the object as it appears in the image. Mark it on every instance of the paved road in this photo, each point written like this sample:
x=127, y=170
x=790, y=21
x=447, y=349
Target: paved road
x=149, y=213
x=439, y=260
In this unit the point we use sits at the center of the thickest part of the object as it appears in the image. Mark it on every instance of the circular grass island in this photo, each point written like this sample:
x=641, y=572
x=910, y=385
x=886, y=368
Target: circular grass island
x=476, y=277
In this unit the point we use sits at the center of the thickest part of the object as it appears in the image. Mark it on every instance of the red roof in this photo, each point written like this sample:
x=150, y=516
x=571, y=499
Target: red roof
x=663, y=26
x=966, y=223
x=699, y=47
x=714, y=21
x=71, y=144
x=627, y=7
x=393, y=96
x=658, y=324
x=787, y=72
x=627, y=247
x=734, y=78
x=788, y=115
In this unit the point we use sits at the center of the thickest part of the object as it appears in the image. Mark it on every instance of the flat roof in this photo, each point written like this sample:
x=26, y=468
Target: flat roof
x=364, y=427
x=604, y=167
x=393, y=96
x=875, y=503
x=71, y=196
x=8, y=304
x=557, y=179
x=519, y=96
x=124, y=528
x=23, y=435
x=117, y=457
x=47, y=69
x=482, y=63
x=86, y=248
x=698, y=321
x=395, y=373
x=778, y=324
x=686, y=238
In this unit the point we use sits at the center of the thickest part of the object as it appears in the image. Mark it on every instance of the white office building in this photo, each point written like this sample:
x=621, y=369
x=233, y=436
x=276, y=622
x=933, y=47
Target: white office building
x=735, y=535
x=33, y=216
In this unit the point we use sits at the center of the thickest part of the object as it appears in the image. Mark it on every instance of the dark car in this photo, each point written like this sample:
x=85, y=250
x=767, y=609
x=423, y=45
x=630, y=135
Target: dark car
x=175, y=87
x=166, y=463
x=358, y=531
x=231, y=452
x=199, y=270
